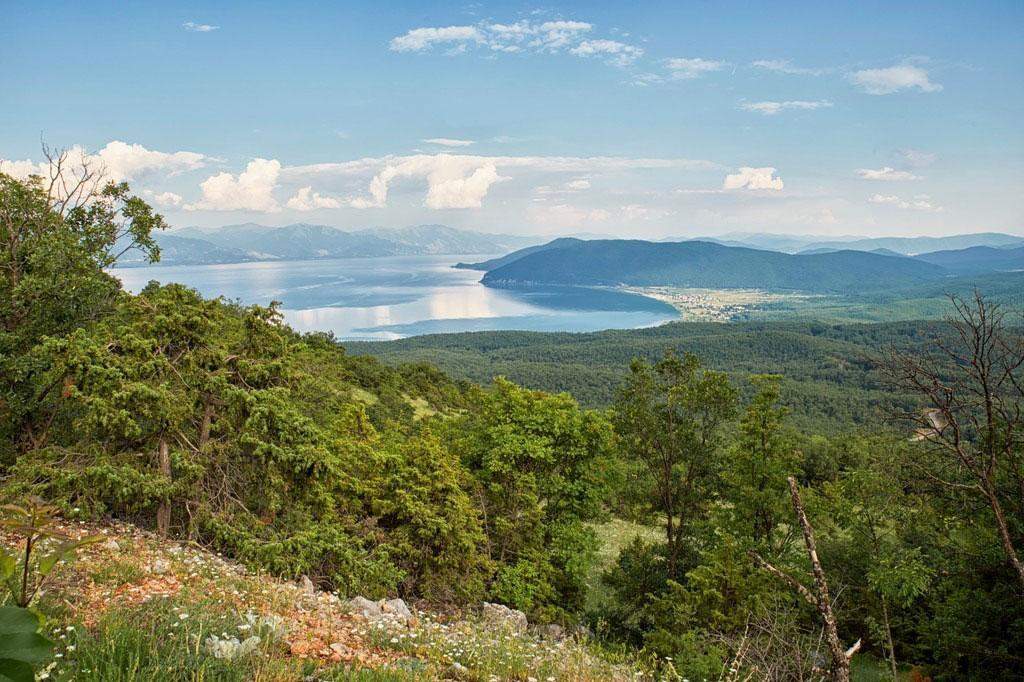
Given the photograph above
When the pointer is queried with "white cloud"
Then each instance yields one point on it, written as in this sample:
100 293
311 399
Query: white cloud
886 173
619 54
772 108
786 67
118 160
893 79
753 178
577 185
123 161
921 202
165 199
251 190
452 181
198 28
21 169
463 181
419 39
687 69
548 37
449 142
307 200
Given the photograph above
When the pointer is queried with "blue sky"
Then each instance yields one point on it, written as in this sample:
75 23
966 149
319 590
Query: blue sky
674 118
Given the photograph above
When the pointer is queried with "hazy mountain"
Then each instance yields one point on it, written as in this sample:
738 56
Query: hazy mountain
441 239
705 264
976 259
516 255
301 241
176 250
909 246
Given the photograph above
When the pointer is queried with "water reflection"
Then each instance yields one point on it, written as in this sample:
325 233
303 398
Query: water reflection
384 298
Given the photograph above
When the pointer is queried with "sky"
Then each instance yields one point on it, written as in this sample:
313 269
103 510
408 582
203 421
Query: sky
650 119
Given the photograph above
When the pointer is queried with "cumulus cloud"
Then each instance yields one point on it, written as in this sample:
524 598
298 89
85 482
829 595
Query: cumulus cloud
307 200
123 161
614 52
921 202
893 79
117 160
419 39
449 142
165 199
463 181
886 173
250 190
198 28
687 69
21 169
753 178
452 181
786 67
772 108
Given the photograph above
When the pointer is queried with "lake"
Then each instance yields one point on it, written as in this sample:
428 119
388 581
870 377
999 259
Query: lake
390 298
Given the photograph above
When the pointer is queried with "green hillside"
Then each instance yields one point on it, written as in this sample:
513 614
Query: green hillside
705 264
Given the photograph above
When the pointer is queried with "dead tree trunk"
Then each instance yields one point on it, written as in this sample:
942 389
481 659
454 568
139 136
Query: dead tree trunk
840 671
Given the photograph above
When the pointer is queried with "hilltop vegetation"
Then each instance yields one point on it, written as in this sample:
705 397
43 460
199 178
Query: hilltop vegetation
832 380
707 265
215 424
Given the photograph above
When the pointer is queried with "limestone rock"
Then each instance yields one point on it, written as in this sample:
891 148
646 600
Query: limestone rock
362 606
501 615
396 608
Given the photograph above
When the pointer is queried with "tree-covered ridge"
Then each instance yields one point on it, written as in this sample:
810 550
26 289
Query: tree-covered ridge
770 526
709 265
831 378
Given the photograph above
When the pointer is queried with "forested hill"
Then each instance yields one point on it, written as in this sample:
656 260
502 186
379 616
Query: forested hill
831 377
706 264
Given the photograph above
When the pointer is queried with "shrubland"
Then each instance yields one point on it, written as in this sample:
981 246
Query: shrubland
210 423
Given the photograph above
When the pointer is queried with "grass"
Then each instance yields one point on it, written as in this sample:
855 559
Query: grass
139 609
613 536
475 650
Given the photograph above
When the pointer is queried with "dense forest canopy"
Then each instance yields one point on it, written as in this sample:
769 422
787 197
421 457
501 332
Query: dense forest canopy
215 422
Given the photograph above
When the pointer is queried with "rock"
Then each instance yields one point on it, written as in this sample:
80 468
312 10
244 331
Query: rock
396 609
499 614
457 671
307 585
551 631
111 544
362 606
160 566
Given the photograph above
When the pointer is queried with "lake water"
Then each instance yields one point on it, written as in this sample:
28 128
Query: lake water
389 298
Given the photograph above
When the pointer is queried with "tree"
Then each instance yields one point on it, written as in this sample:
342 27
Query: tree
668 418
973 426
758 465
537 462
820 601
58 234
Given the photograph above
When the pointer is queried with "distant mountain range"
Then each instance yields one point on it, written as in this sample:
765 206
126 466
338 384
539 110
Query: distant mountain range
703 264
253 242
977 259
907 246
